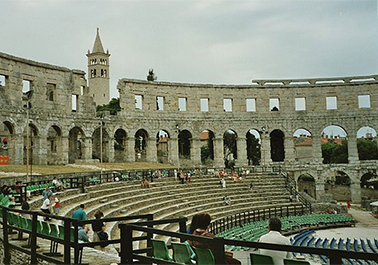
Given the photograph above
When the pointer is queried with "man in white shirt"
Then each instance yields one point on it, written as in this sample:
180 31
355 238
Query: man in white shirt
274 236
46 205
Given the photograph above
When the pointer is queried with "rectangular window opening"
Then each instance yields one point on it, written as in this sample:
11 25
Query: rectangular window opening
182 104
204 104
82 88
331 103
160 103
274 104
227 104
74 102
300 104
26 86
138 101
250 104
364 101
2 80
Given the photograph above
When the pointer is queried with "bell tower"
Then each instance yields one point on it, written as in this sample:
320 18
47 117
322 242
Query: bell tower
98 72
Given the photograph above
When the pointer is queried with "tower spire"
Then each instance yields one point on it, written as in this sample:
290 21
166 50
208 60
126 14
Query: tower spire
97 47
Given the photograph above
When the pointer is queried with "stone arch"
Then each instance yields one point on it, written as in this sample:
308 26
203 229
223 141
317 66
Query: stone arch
7 141
207 146
54 145
184 144
253 142
120 145
306 183
334 145
303 145
230 151
338 184
368 180
140 147
162 146
367 143
277 146
76 143
100 144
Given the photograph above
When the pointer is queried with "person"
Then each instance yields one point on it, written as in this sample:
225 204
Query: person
57 184
223 183
46 192
348 205
80 214
251 186
82 234
200 224
275 237
57 204
46 205
97 228
25 206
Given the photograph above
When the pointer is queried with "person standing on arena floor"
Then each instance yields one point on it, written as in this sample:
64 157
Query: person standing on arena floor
79 214
275 237
57 204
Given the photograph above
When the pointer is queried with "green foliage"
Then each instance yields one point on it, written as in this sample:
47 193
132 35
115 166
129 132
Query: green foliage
334 153
253 150
113 106
205 154
367 149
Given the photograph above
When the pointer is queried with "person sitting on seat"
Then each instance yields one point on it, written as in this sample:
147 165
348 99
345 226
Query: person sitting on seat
275 237
82 234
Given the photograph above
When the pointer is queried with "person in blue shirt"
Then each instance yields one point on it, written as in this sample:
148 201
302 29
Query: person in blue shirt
79 214
82 234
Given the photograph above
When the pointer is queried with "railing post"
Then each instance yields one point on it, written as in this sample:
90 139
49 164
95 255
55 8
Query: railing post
150 217
83 182
335 259
7 256
219 253
76 241
67 241
33 242
126 251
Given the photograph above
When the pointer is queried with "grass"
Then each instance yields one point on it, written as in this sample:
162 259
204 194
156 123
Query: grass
71 168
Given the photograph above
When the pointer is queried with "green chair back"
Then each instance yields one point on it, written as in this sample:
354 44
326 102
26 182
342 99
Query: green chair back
204 256
39 227
45 228
181 253
54 230
160 250
260 259
295 262
61 231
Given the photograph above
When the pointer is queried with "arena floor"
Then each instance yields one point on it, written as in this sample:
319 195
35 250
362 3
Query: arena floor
366 227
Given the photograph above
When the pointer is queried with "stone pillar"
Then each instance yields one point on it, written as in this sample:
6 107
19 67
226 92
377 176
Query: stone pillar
151 150
355 190
195 155
317 149
173 151
111 150
266 158
319 189
63 150
289 150
18 149
218 152
40 154
129 149
352 149
242 160
87 149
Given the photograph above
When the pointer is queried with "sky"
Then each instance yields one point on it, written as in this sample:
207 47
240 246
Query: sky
209 41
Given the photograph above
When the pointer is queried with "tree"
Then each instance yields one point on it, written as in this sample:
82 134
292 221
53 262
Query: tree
367 149
327 149
334 153
151 75
113 106
205 154
253 150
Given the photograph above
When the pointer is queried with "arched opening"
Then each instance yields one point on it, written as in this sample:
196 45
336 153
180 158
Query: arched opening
302 145
33 145
334 145
7 144
369 181
140 147
306 184
76 144
367 143
120 145
54 145
277 147
207 147
162 142
100 145
184 142
338 185
230 148
253 147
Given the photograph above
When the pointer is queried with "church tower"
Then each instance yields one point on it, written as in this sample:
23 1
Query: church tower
98 72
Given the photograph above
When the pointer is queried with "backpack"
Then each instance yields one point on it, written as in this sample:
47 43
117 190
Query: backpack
103 236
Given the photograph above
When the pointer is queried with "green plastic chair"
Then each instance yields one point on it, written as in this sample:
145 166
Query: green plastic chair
260 259
181 253
54 230
45 228
204 256
295 262
160 250
61 231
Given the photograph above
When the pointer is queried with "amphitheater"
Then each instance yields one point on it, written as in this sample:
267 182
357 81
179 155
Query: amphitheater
49 117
